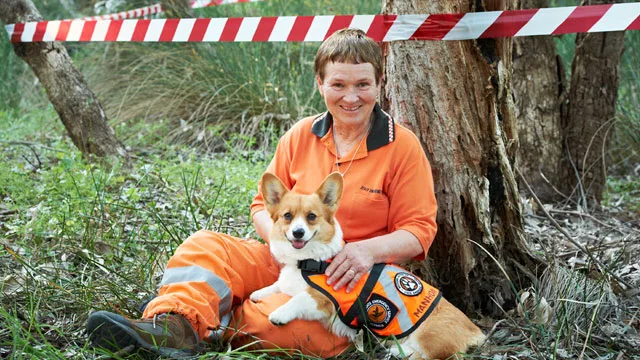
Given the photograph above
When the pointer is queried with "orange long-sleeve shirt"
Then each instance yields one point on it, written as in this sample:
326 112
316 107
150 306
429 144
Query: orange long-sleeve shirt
388 186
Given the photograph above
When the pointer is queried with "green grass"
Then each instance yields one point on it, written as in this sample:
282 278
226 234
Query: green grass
78 236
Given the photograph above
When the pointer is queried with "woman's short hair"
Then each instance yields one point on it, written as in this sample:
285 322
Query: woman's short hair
351 46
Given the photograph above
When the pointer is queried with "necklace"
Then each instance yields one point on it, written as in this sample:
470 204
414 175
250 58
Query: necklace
354 154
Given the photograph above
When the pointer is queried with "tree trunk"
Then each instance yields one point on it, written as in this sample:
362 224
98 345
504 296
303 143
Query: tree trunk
66 88
538 85
456 97
589 120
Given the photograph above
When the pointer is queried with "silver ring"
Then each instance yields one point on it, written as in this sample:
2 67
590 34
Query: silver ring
353 273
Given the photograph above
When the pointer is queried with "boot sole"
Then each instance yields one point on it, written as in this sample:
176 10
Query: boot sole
113 332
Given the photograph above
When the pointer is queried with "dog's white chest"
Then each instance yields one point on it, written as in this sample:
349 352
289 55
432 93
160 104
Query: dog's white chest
290 281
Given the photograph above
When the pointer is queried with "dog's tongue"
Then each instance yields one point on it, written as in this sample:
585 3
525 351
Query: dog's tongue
298 244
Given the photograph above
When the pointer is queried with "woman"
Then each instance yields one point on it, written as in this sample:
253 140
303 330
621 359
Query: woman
387 214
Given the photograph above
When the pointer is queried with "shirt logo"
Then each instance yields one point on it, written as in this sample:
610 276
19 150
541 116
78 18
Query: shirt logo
370 190
380 312
408 284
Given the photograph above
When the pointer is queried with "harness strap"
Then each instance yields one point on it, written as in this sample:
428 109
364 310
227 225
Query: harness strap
357 309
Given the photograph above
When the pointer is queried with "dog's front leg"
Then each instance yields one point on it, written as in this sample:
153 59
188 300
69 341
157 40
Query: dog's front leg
301 306
264 292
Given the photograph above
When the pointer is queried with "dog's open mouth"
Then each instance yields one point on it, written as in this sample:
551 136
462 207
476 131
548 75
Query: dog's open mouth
298 244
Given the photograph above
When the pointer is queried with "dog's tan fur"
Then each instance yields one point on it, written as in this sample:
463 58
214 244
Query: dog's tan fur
445 332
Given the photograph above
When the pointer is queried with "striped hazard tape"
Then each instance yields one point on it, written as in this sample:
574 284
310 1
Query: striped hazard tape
157 9
135 13
491 24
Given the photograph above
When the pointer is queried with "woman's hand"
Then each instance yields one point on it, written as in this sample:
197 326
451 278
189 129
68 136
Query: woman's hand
352 262
356 259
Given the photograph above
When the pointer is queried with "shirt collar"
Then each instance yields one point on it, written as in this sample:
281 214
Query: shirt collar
382 131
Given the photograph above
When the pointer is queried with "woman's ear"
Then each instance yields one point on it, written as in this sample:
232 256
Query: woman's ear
319 82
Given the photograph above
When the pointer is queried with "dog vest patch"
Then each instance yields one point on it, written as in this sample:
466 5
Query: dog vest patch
390 301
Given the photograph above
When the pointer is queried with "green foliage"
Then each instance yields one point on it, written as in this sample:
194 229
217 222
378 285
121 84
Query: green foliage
623 192
217 96
18 87
79 236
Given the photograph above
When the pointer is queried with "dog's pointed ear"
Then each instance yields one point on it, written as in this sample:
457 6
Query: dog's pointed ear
273 190
330 191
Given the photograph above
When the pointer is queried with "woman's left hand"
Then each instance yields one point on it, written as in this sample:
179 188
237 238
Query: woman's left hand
352 262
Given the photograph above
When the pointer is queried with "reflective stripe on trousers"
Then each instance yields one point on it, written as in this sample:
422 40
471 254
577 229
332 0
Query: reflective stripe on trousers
197 273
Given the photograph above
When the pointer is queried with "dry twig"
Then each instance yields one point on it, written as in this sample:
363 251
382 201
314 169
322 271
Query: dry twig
571 239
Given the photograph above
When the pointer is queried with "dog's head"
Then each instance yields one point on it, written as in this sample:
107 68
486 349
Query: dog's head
304 226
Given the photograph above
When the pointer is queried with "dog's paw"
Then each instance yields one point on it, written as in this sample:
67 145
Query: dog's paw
279 317
264 292
256 295
260 294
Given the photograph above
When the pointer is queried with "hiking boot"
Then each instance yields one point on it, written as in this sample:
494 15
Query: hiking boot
168 335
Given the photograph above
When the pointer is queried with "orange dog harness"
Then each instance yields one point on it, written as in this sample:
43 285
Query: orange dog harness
389 301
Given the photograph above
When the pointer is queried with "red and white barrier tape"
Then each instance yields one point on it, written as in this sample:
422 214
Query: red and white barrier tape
157 9
491 24
206 3
135 13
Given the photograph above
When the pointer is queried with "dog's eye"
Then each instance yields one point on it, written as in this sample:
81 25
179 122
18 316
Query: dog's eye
311 217
288 216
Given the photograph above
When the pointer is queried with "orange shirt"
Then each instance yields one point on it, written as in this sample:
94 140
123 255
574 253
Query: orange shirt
388 187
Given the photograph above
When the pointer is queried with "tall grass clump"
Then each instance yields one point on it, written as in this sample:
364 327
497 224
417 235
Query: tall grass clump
217 96
581 305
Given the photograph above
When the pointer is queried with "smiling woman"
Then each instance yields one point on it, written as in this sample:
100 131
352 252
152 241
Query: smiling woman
387 214
350 92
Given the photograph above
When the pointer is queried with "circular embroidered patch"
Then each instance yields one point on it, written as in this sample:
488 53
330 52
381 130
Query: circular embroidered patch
379 312
408 284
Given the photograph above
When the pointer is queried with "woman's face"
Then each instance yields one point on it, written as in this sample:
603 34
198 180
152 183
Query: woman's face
349 91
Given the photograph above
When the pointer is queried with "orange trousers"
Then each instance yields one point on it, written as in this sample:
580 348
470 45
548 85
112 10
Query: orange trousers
211 276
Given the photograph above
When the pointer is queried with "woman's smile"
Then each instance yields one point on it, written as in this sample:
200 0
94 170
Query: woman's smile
350 92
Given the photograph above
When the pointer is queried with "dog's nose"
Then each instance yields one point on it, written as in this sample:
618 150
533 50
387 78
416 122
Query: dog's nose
298 233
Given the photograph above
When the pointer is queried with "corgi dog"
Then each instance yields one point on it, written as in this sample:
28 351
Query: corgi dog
305 235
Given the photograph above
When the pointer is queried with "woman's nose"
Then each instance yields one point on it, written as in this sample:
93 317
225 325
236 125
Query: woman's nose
351 95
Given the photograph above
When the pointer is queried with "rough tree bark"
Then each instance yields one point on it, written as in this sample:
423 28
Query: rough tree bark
456 96
538 86
589 118
566 139
75 103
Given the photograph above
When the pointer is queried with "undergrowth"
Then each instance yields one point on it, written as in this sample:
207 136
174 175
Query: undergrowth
79 236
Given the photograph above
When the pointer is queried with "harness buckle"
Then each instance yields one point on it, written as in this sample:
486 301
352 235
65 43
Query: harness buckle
313 266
